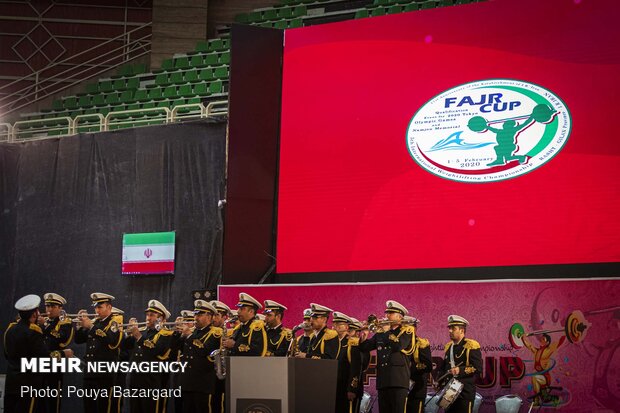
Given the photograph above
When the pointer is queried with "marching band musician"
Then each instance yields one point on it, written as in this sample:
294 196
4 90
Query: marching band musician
57 335
421 365
24 339
186 319
103 338
249 338
324 343
303 341
278 337
233 321
355 326
199 380
153 343
120 380
219 320
463 360
349 365
394 347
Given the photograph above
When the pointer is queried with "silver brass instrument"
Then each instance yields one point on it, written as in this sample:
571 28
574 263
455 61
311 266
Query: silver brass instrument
141 323
75 317
375 324
79 315
219 356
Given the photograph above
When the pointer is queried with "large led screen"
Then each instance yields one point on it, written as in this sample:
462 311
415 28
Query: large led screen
466 136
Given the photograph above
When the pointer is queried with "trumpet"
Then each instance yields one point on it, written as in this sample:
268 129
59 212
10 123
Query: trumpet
80 317
64 315
142 323
172 323
374 324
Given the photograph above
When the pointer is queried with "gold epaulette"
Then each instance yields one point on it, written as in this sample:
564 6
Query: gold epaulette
423 342
165 332
330 334
354 341
287 334
230 332
471 344
217 331
409 329
257 325
36 328
65 321
118 318
447 346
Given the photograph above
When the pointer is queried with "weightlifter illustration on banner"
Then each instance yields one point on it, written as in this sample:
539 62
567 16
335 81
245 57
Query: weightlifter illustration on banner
507 147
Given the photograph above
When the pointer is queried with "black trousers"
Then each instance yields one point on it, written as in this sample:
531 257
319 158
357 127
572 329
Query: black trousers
52 404
219 398
344 405
392 400
194 401
415 405
14 403
461 406
147 405
100 404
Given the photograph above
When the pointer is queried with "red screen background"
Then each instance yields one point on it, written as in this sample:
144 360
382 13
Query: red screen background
352 198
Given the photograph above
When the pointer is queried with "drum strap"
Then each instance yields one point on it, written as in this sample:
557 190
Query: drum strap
452 364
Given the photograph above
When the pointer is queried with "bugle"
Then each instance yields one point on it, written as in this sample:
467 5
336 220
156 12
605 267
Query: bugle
374 324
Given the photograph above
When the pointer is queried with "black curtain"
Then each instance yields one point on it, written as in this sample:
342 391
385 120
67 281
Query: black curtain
65 204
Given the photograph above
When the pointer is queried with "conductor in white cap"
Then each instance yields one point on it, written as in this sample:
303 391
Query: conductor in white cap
24 339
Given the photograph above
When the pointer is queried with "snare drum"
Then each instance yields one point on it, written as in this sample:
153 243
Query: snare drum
449 393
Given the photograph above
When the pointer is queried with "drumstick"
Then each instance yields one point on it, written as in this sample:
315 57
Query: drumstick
448 373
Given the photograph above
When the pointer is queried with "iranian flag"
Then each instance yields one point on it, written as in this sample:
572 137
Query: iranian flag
150 253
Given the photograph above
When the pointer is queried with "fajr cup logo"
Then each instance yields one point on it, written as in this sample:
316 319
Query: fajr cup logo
488 130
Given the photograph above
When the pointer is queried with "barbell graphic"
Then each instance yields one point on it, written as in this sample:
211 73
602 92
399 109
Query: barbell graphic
541 113
575 329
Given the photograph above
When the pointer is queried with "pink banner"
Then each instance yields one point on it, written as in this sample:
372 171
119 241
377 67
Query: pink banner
582 376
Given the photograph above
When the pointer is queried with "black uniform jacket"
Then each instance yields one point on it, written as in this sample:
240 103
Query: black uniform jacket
394 349
24 340
57 335
421 365
250 339
102 340
303 342
349 365
324 345
278 341
199 375
467 354
153 345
